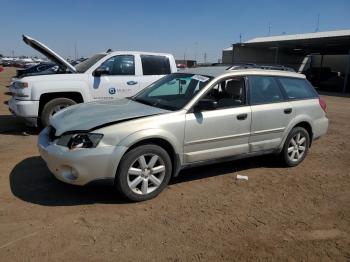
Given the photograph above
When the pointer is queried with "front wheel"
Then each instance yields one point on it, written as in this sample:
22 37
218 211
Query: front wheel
296 146
54 106
143 172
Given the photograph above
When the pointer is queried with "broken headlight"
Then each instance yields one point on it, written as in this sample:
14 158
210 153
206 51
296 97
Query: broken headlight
82 140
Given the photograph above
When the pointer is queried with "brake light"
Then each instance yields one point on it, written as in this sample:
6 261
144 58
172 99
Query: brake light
323 104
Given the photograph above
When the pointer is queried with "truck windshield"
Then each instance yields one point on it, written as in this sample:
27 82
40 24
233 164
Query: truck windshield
173 91
85 65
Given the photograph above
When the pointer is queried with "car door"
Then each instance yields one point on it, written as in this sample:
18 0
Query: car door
220 132
120 79
271 113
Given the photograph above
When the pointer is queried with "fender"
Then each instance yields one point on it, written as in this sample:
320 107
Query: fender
298 119
151 133
43 87
145 134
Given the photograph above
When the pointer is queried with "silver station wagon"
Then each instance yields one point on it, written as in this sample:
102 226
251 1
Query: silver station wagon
187 118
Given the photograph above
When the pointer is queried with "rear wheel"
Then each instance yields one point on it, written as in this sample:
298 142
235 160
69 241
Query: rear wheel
54 106
143 172
296 146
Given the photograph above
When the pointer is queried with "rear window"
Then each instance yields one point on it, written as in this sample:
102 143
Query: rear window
296 88
155 65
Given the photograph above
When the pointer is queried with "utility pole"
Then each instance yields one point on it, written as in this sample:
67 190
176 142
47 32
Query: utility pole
13 53
318 23
269 29
240 38
195 50
205 58
75 51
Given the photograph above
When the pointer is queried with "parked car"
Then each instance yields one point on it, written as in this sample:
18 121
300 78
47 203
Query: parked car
184 119
36 69
103 76
78 61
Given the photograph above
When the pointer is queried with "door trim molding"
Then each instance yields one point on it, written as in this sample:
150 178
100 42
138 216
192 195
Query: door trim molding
221 138
267 131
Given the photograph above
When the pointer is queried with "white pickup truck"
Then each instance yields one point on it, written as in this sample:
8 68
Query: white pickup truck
103 76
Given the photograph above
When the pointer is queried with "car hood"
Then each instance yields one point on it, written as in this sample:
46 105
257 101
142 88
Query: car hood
94 115
50 54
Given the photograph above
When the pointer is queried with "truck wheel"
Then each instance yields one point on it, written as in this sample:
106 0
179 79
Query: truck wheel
296 146
143 172
52 107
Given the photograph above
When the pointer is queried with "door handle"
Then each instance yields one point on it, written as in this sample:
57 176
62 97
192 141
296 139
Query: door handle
242 116
288 110
131 83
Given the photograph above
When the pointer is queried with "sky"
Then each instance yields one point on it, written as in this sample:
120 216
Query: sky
190 29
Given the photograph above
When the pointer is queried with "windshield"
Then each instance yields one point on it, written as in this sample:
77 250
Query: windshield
173 91
85 65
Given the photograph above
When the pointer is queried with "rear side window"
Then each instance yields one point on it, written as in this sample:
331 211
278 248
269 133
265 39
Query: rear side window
296 88
264 90
155 65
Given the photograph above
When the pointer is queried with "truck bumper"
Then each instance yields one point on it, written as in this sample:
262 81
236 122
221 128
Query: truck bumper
27 110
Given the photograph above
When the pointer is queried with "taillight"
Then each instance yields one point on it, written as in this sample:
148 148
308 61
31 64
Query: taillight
323 104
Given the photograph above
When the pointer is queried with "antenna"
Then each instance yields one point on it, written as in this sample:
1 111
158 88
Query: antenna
75 51
318 23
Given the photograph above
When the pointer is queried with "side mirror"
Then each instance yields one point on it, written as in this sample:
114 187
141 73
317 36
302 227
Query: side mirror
102 70
206 104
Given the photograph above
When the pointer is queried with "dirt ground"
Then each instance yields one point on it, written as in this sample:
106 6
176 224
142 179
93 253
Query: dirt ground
295 214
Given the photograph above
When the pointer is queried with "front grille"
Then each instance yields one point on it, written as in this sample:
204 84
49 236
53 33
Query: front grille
52 133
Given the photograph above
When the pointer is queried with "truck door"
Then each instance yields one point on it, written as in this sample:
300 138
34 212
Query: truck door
119 79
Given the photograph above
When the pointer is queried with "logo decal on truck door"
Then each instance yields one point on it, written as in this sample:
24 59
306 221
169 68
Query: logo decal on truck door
111 90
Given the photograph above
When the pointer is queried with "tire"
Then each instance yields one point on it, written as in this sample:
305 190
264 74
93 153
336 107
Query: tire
135 179
53 107
294 153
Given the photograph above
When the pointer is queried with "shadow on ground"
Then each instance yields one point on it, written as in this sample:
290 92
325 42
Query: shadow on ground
31 181
12 125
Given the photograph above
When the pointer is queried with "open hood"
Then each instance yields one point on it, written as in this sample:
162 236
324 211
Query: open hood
43 49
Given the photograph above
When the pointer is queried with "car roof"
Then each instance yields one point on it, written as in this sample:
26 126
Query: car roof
216 71
134 53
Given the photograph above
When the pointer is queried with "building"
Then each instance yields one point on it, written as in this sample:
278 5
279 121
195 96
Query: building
323 56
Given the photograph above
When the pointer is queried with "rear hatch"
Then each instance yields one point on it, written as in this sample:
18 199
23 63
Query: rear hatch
50 54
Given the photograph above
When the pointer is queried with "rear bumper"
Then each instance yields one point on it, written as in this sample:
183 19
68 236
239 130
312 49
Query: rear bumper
320 127
28 110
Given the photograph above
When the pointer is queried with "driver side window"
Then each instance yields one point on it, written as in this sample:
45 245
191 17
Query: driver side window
120 65
230 92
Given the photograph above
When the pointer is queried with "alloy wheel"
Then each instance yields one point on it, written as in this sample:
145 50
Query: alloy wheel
297 147
57 109
146 174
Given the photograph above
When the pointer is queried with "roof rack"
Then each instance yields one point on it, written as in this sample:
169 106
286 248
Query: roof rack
255 66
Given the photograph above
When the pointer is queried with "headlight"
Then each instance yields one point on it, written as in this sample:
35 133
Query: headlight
83 140
21 84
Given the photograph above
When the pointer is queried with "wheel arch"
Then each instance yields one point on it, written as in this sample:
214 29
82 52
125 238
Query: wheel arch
307 126
162 142
300 122
47 97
